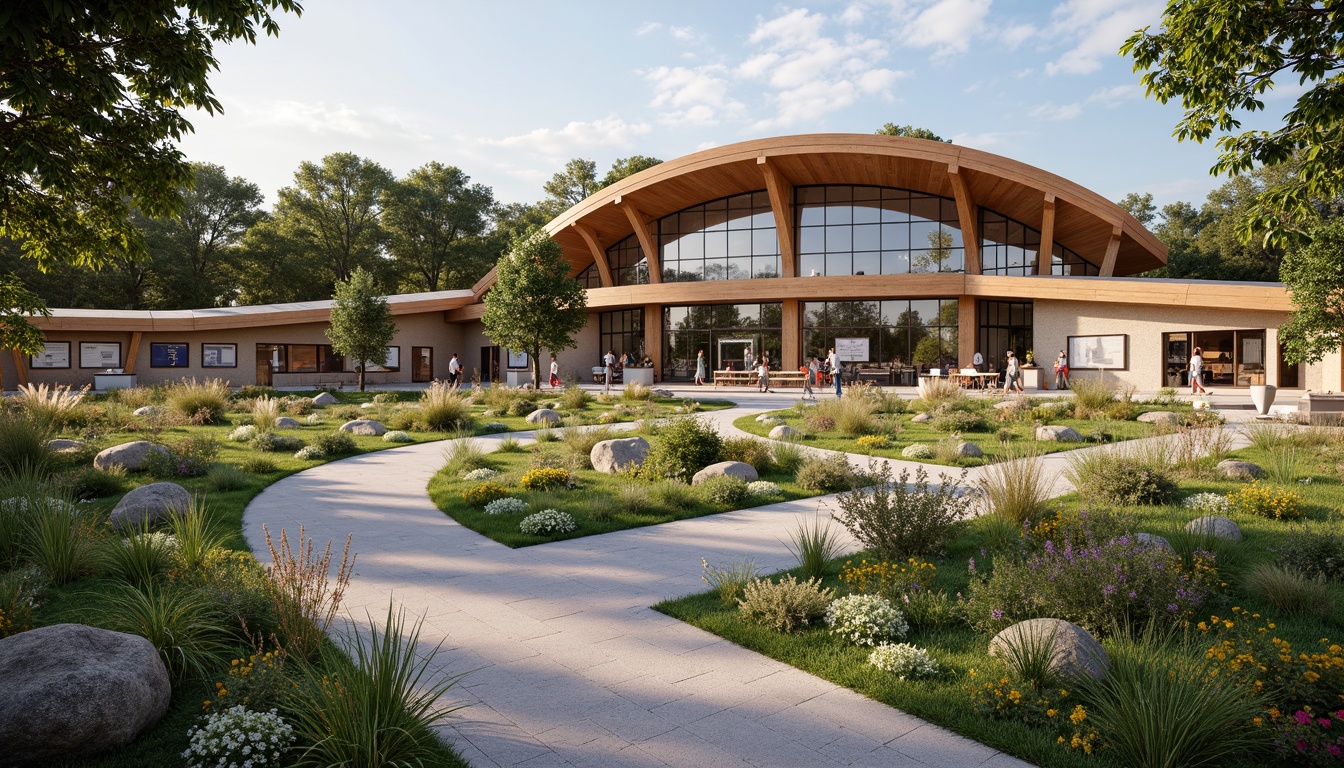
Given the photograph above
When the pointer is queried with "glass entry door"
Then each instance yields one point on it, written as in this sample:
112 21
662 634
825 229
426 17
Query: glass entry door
732 352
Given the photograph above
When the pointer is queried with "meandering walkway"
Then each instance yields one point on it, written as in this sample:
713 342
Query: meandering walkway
568 664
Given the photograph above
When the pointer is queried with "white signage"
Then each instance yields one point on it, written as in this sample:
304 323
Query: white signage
853 350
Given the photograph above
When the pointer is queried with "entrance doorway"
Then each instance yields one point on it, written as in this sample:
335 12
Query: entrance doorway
270 359
422 364
490 364
733 352
1231 358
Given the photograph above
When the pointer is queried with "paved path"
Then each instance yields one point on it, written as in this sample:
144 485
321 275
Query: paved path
568 664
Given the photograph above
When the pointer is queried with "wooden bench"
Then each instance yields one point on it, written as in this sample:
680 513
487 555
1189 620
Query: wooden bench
749 378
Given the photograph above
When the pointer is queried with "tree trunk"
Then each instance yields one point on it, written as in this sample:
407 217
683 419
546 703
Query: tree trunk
536 368
361 375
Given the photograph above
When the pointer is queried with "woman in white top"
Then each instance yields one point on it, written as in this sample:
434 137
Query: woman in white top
700 367
555 373
1012 374
1197 373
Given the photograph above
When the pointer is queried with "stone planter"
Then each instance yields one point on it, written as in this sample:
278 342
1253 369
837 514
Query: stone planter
1033 377
1262 395
639 376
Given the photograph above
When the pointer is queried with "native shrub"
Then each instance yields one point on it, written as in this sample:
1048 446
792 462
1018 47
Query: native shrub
828 473
865 619
905 661
786 605
683 447
899 520
548 522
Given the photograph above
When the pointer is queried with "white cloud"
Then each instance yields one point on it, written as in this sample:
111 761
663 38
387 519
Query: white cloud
1049 111
852 15
947 26
1099 27
1110 97
685 34
808 74
321 118
576 137
1015 35
697 96
647 27
987 140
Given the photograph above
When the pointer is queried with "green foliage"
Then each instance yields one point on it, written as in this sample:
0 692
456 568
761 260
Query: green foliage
443 408
140 559
335 443
436 222
1290 591
227 477
483 493
1118 478
204 401
910 131
853 414
683 447
1091 395
462 456
1314 550
190 638
950 418
258 465
1029 656
815 544
786 605
1017 488
575 398
234 587
787 456
521 407
534 303
728 582
361 324
196 536
623 167
58 538
725 491
189 457
747 450
673 494
898 519
1314 274
829 472
23 445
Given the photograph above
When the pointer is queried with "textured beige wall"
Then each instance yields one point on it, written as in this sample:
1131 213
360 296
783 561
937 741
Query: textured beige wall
576 363
1055 321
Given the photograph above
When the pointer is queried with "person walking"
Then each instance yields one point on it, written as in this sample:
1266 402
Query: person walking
700 368
1012 374
747 359
1062 371
834 361
1197 373
608 369
555 373
454 370
763 374
808 374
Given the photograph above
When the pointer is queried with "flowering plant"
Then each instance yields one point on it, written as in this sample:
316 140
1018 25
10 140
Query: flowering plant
764 488
1208 503
865 619
1310 738
238 738
483 493
1267 501
397 436
243 434
918 451
870 442
1005 700
544 478
903 660
505 506
547 522
480 475
310 453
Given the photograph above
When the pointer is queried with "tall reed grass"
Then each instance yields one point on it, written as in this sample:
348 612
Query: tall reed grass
189 637
50 405
1018 487
444 408
203 402
23 446
815 543
306 596
265 412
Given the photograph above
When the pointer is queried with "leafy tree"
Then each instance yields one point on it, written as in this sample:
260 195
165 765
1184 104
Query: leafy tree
361 323
435 220
1219 59
333 210
910 131
628 166
1314 273
570 187
1141 207
534 303
272 268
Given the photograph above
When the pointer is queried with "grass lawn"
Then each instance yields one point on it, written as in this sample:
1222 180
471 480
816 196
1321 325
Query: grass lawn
947 699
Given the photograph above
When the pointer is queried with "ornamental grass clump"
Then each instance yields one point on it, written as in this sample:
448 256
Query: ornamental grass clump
905 661
1117 477
865 619
815 543
1264 500
787 456
934 392
728 581
52 405
1290 591
239 737
189 636
854 414
747 450
205 401
786 605
58 538
265 412
463 456
140 559
548 522
305 595
899 519
443 408
1091 395
575 398
23 446
1017 488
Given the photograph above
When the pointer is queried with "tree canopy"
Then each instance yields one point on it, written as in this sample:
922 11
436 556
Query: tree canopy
91 102
361 323
534 304
910 131
436 220
1219 59
628 166
1314 274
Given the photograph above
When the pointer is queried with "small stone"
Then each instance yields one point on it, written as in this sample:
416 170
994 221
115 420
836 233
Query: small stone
1075 651
286 422
150 504
367 427
1058 434
61 445
129 455
663 393
1160 418
1004 405
785 432
970 450
1240 470
70 690
616 456
150 410
726 469
1153 540
764 417
368 405
1216 526
325 398
543 416
920 418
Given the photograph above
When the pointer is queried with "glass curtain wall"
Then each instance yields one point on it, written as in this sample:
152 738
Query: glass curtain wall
1006 325
590 277
732 238
920 332
620 332
1009 247
722 331
1231 358
627 262
852 230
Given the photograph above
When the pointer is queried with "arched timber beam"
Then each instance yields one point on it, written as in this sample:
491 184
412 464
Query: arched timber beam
970 222
599 256
780 190
641 227
1047 250
1112 251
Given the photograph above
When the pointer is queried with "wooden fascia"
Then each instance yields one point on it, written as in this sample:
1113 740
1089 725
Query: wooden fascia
970 223
1047 249
599 256
20 366
1112 251
641 227
780 190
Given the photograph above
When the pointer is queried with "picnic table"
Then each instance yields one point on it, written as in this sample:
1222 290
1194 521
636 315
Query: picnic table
749 379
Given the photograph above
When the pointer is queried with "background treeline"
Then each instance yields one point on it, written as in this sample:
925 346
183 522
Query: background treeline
431 230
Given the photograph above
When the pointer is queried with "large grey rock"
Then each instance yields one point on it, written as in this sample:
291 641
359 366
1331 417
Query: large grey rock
129 455
920 418
151 503
1075 651
150 410
364 427
726 469
61 445
287 422
785 432
70 690
1004 405
543 416
1160 418
1216 526
1240 470
970 450
1059 434
326 398
615 456
1153 540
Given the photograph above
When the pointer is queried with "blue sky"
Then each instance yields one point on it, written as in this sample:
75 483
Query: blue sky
508 91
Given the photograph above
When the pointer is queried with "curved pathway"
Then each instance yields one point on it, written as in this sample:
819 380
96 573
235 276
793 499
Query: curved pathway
568 665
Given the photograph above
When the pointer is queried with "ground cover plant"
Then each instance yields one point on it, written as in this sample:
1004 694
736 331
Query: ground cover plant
1222 653
191 586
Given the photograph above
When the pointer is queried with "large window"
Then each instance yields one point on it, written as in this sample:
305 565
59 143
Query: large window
1009 247
1006 325
621 332
722 331
590 277
301 358
1231 358
920 332
627 263
732 238
847 230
